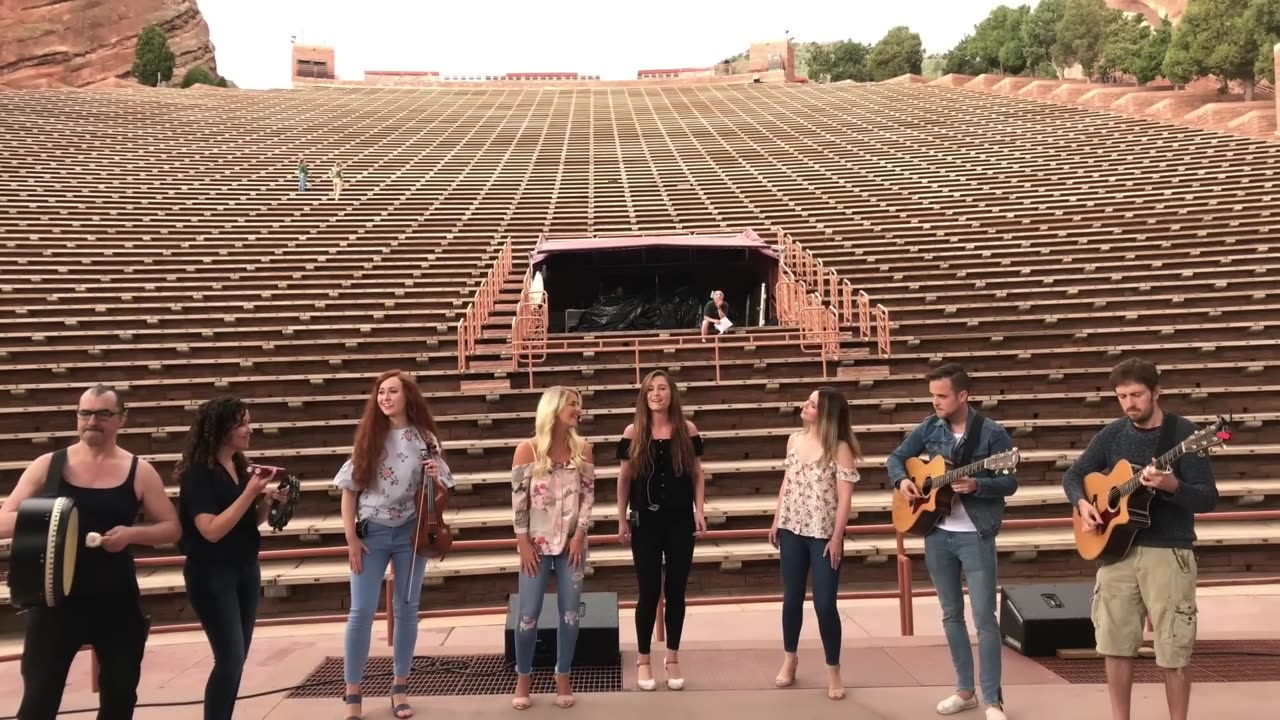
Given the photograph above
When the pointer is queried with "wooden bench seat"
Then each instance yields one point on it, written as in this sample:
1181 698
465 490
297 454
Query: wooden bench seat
168 580
718 509
1017 427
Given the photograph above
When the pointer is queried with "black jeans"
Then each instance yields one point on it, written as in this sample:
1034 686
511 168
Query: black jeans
117 631
656 536
225 598
799 555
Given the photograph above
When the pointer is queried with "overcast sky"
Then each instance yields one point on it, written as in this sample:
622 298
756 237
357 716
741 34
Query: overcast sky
252 37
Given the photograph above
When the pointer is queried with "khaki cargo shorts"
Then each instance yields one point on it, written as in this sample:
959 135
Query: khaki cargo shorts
1160 582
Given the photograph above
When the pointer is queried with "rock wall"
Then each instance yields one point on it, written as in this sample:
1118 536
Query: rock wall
1152 10
77 43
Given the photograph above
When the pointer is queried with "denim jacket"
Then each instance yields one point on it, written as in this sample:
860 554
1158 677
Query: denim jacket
985 506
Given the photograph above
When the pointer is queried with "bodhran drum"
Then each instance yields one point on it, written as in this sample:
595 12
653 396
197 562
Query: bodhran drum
42 559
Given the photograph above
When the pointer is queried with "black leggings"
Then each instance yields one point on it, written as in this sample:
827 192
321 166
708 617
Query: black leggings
116 630
800 556
225 598
655 536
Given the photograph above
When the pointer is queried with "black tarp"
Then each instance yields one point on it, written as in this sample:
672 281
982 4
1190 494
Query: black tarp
681 309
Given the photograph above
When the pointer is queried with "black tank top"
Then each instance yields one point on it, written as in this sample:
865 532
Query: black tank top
99 574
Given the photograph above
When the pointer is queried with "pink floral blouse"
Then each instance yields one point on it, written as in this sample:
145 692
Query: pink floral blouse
809 496
550 509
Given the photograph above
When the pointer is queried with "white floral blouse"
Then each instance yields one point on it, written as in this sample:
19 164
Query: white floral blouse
390 499
809 496
551 508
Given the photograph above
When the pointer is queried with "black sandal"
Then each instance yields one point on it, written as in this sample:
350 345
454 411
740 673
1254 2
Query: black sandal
397 709
356 699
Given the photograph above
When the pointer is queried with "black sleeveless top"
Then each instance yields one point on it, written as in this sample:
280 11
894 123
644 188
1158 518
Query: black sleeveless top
99 574
662 491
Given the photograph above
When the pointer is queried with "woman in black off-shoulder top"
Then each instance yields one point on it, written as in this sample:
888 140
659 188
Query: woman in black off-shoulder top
660 498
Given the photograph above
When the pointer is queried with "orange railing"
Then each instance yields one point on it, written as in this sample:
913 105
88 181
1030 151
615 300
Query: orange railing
529 327
904 593
530 346
471 326
806 282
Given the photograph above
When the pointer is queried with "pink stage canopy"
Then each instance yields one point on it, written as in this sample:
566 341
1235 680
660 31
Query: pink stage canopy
549 245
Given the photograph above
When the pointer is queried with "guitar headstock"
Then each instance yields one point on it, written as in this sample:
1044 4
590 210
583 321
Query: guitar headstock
1004 462
1209 436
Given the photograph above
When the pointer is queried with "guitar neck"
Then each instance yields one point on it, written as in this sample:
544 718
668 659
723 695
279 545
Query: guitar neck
954 475
1165 460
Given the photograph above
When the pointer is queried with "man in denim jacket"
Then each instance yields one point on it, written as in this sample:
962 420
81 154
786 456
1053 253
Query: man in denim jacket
965 540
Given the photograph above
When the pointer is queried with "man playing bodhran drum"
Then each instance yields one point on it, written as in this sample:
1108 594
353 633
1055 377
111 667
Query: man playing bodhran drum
103 609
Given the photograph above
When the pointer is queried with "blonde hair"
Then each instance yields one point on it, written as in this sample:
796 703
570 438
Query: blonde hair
549 406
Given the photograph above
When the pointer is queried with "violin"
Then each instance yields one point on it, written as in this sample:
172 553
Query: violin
432 535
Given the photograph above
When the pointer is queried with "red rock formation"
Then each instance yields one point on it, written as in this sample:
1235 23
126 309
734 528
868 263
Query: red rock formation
76 43
1152 10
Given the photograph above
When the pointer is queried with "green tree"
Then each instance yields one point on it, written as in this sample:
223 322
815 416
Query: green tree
1040 34
152 58
899 52
198 75
999 42
844 60
961 59
1224 38
1150 61
1127 37
1263 16
1082 34
222 82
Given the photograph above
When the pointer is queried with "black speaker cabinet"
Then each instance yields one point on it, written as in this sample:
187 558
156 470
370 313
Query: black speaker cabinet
597 631
1039 620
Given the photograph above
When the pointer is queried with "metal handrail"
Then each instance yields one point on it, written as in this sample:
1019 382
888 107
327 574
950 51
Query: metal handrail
471 325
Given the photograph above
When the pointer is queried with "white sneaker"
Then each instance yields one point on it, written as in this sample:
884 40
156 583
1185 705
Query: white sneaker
955 704
995 712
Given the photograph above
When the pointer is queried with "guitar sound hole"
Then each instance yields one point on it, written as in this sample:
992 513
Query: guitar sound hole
927 487
1113 501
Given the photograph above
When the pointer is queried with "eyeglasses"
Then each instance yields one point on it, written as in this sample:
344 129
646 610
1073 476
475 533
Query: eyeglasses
101 415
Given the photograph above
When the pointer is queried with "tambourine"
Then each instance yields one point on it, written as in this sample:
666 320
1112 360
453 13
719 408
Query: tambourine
281 511
42 561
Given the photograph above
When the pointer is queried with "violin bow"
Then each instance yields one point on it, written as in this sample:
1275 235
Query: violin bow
424 454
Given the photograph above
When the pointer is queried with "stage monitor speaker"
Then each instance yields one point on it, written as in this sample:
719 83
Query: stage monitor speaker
1039 620
597 631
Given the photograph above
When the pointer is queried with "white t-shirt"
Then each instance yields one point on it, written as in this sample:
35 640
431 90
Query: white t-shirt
958 520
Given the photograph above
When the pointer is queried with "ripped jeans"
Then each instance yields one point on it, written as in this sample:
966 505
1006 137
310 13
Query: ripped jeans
568 596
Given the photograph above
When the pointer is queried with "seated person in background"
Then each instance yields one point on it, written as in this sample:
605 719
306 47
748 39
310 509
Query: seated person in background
716 314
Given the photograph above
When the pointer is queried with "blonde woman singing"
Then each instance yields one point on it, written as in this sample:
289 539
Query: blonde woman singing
553 478
808 527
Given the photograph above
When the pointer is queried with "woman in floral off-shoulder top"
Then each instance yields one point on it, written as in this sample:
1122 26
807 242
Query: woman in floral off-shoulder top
394 452
808 527
553 480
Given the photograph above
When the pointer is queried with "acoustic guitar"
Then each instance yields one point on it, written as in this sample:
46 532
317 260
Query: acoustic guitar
1124 503
919 516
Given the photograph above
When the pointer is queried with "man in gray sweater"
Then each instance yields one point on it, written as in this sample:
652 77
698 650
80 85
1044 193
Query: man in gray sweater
1161 565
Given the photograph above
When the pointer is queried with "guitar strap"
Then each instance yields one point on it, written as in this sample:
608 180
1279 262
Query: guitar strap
964 453
1167 439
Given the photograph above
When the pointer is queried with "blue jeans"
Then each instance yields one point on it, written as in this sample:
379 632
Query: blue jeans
394 544
946 554
800 554
529 603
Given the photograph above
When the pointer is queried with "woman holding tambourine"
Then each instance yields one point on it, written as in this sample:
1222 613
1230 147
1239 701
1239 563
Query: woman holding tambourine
223 500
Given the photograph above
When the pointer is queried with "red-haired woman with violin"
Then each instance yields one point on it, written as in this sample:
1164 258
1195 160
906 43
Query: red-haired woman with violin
394 453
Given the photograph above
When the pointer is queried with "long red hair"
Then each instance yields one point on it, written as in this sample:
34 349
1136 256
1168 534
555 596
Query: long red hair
369 446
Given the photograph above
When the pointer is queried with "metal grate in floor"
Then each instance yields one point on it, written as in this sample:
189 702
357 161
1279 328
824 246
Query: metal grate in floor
451 675
1213 661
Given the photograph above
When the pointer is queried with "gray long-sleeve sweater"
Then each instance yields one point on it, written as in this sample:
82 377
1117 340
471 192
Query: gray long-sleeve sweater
1172 514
